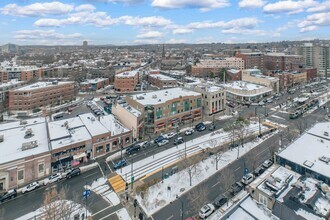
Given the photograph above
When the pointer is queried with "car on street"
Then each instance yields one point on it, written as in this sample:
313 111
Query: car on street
247 179
53 178
267 163
170 135
258 171
235 188
8 195
190 131
200 127
146 144
159 138
206 211
261 103
73 172
212 127
178 140
163 142
133 149
119 164
220 201
30 187
192 218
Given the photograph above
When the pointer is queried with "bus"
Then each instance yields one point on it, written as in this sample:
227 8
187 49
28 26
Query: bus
58 116
300 110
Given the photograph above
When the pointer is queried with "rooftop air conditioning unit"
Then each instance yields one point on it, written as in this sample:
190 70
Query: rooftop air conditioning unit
28 133
23 122
1 138
29 145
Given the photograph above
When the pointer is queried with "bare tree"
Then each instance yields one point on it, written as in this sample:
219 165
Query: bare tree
190 165
56 207
300 124
226 178
196 197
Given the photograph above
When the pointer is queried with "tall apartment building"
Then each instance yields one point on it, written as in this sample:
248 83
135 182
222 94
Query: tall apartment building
317 56
164 109
283 62
126 81
205 67
40 94
252 59
4 91
24 73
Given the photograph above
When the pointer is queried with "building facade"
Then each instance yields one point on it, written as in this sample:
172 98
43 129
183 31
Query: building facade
92 85
162 81
252 60
4 91
39 95
126 81
255 76
166 109
283 62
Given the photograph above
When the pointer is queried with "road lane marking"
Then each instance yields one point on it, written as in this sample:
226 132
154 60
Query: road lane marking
101 169
169 217
90 175
195 199
109 166
237 169
108 215
101 210
215 184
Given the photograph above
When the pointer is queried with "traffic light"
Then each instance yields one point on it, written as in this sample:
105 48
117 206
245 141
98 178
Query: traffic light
141 216
135 203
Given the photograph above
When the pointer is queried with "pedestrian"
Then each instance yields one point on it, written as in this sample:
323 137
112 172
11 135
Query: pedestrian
105 168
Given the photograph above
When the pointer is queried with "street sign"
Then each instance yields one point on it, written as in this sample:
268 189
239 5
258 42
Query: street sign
87 193
132 179
246 171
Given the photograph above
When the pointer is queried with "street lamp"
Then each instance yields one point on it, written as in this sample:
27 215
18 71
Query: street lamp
255 112
121 152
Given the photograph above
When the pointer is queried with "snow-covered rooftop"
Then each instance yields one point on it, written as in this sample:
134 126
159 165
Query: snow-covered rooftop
128 74
130 109
244 86
10 83
162 96
39 85
94 81
161 77
310 148
14 136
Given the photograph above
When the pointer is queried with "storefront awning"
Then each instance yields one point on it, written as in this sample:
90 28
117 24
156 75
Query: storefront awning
76 157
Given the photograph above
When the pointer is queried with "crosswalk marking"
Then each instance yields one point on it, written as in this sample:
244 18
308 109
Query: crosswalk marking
117 182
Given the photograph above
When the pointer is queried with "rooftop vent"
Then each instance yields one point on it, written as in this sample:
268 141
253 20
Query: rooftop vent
154 96
326 134
324 159
29 145
28 133
92 119
159 100
2 138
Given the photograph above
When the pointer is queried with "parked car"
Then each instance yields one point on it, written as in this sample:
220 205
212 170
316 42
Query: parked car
267 163
30 187
178 140
8 195
190 131
212 127
206 211
146 144
192 218
235 188
247 179
53 178
220 201
261 103
200 127
170 135
163 142
120 164
73 172
258 171
133 149
159 138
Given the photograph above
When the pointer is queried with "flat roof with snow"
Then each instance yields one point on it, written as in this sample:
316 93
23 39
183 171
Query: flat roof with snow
162 96
94 81
10 83
39 85
162 77
128 74
17 144
308 150
244 86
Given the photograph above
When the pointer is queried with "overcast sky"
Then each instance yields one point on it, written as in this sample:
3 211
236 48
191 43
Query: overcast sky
123 22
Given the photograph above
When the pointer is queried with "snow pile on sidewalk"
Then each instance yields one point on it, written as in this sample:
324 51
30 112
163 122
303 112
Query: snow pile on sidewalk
101 187
88 167
114 156
66 210
159 195
225 117
123 214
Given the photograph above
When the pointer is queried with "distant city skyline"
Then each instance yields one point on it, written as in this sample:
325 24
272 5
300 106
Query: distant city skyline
130 22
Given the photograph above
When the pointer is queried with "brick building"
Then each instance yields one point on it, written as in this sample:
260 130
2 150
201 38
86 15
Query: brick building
281 61
252 60
126 81
94 84
162 81
40 94
4 91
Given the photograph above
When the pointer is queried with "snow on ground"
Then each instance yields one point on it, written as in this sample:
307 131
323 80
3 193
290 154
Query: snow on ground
307 215
275 123
323 206
259 211
123 214
114 156
39 214
158 195
101 187
88 167
225 117
310 188
275 116
207 122
176 153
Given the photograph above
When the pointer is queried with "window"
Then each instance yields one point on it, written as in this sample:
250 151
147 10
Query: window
41 168
1 186
20 175
99 149
263 199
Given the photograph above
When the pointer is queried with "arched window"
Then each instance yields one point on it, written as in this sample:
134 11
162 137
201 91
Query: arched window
127 140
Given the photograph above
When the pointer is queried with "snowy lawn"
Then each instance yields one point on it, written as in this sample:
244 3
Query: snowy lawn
158 195
123 214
